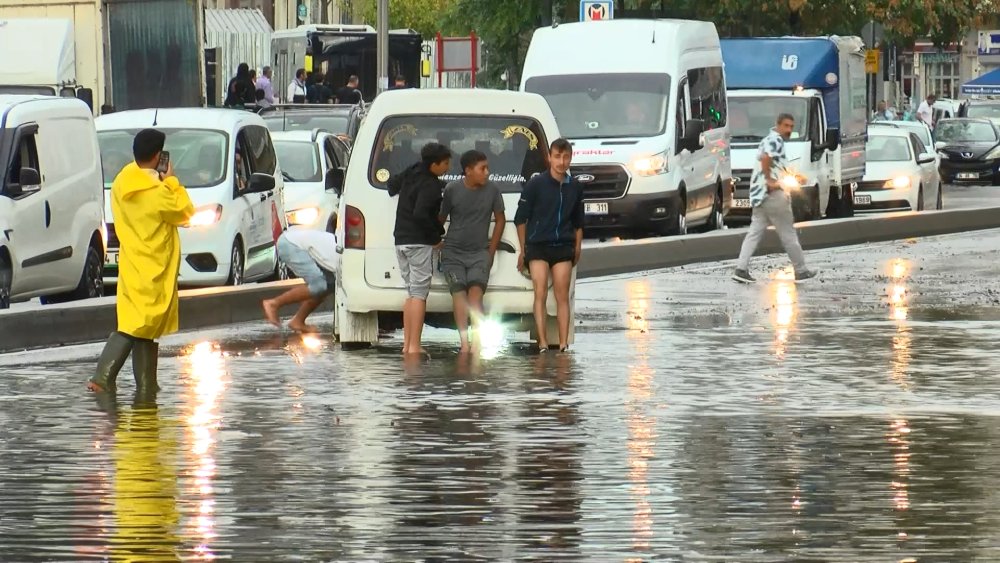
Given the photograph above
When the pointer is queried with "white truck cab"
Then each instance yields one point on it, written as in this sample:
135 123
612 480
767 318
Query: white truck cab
818 81
52 235
644 104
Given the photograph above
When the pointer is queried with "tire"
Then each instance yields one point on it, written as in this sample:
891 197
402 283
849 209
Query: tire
6 281
91 284
237 264
940 197
808 207
678 226
842 205
717 219
920 198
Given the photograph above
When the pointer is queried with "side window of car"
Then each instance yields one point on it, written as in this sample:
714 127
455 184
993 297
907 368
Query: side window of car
707 88
815 127
343 153
241 167
331 156
25 156
918 147
261 152
680 115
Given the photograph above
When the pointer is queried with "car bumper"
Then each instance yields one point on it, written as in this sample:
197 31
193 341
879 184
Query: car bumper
630 213
869 198
741 211
957 172
199 245
188 276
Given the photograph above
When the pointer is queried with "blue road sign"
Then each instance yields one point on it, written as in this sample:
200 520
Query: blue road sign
596 10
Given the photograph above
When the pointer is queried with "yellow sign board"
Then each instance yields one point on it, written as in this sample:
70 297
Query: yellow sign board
872 58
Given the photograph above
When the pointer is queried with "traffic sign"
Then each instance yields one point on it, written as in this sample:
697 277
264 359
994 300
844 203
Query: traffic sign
596 10
872 58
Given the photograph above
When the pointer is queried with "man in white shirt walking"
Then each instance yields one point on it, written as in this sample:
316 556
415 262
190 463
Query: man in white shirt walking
264 83
297 89
925 112
313 256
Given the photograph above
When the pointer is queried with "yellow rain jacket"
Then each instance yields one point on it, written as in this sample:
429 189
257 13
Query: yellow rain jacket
147 212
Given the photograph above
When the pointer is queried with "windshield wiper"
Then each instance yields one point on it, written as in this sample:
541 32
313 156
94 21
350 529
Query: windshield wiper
286 176
747 137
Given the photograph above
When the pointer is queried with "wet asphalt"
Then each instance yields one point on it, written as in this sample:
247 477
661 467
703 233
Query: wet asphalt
849 419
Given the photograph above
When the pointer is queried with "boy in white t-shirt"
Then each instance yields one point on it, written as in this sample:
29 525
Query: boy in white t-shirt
313 256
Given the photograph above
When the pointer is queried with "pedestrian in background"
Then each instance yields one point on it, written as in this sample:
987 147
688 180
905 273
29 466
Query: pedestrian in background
264 83
312 256
772 205
418 234
400 83
318 91
925 112
241 90
149 204
297 89
883 113
549 223
469 247
349 93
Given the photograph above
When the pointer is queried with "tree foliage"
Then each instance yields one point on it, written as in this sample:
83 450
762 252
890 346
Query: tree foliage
423 16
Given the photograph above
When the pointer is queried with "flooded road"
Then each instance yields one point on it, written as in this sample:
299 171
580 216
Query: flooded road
695 420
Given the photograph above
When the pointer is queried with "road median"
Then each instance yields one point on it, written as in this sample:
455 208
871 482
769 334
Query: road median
84 322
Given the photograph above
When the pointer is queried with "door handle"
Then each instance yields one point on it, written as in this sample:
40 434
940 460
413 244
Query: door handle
48 214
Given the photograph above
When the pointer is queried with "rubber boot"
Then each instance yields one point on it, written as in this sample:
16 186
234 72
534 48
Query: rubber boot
145 355
116 351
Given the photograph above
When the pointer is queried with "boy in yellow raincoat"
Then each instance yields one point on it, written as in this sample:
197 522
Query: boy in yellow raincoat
148 207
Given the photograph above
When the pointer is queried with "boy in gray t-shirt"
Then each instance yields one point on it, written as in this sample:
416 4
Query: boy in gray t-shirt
469 247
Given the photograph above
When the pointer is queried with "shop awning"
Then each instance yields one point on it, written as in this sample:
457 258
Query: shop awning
986 85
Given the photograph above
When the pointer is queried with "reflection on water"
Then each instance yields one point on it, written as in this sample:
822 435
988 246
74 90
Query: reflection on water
658 438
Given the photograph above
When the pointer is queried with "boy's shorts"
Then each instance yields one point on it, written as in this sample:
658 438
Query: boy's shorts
319 281
550 254
465 269
416 265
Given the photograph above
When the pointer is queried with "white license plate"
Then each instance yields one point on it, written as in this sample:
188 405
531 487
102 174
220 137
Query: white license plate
600 208
111 259
862 200
968 175
741 203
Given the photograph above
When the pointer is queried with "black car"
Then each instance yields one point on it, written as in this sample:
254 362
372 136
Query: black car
339 119
970 151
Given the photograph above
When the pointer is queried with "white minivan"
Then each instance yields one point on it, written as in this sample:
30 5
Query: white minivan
644 103
226 160
51 209
513 129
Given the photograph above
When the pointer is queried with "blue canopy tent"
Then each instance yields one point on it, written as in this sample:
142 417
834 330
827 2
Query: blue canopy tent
986 85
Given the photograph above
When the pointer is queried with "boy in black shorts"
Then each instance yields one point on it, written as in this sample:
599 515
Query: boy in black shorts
469 247
549 223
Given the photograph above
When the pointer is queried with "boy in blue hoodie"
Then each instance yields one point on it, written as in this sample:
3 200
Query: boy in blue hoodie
549 223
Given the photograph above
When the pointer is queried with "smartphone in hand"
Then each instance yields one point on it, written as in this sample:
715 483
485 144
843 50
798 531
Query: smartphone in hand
164 163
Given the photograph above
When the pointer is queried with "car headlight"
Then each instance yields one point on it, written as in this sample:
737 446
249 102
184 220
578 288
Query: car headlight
993 154
205 216
790 182
650 165
897 183
304 216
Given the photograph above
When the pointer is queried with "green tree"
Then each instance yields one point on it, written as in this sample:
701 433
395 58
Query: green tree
427 17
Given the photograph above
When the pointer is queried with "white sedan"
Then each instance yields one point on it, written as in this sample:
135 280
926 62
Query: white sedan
900 175
312 163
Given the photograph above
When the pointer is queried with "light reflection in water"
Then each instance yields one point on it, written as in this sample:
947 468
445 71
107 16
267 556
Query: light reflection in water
899 271
641 439
784 310
205 366
899 444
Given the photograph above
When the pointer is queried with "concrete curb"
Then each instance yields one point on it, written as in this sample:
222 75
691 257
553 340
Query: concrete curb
92 321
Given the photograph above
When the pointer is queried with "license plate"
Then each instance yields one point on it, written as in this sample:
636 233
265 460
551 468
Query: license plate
600 208
862 200
111 259
741 203
968 175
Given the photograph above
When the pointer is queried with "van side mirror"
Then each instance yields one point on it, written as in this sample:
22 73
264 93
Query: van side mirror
832 138
30 182
926 158
334 180
260 183
940 145
693 128
86 95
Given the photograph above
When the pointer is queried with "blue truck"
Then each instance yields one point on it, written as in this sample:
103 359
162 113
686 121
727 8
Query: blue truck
821 82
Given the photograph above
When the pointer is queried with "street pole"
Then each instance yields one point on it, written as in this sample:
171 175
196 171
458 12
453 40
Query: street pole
382 46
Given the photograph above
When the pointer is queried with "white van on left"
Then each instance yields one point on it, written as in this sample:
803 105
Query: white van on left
52 234
226 160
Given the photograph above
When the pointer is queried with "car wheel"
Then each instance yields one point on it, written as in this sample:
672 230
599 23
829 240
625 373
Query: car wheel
236 264
91 285
678 226
940 197
717 220
6 281
920 198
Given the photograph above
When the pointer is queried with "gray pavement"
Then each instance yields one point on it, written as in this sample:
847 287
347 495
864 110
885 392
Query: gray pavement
849 419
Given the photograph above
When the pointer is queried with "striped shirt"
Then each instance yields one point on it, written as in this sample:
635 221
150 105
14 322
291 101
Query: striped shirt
774 146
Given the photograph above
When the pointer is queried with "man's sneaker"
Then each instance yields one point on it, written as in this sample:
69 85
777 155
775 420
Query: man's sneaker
806 275
743 276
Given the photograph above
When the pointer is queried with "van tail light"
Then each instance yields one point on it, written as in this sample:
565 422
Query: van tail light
354 228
